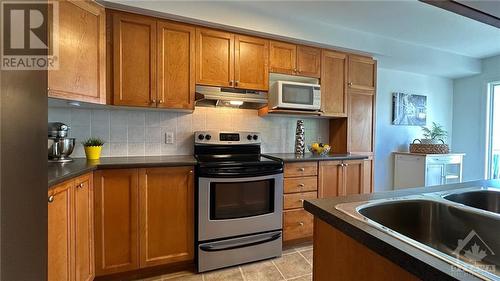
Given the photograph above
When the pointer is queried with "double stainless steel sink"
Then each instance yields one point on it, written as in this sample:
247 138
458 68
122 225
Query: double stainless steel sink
461 227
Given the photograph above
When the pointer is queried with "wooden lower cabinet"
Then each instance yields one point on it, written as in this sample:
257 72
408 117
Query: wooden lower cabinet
340 178
143 217
60 232
297 224
70 230
166 215
116 220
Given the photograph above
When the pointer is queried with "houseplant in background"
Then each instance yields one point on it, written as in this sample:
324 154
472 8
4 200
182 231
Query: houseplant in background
433 141
434 135
93 147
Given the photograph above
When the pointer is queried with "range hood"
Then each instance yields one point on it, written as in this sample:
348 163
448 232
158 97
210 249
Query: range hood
229 97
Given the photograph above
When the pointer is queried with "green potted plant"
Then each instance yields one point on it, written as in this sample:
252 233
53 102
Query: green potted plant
434 135
93 148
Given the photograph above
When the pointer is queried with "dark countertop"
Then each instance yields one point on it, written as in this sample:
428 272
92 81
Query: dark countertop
291 157
416 261
58 173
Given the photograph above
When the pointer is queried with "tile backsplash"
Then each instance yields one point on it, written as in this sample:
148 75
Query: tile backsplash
144 132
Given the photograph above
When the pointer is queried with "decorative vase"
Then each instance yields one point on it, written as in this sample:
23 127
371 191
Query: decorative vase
93 152
300 146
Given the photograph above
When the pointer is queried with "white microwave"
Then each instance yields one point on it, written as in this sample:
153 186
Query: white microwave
294 95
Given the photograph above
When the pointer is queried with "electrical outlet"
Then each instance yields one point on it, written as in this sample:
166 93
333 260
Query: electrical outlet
169 137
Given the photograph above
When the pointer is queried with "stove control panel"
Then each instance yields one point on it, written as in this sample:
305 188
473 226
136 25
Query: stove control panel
224 137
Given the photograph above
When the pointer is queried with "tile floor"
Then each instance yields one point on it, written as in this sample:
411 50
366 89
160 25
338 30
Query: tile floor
295 264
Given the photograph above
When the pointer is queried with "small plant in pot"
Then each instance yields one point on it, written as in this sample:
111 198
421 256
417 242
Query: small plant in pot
93 147
435 134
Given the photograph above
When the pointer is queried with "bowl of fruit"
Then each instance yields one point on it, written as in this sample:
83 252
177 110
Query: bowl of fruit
320 149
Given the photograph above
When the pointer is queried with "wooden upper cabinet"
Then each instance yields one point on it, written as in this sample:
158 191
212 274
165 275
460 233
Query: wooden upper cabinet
82 67
333 83
176 65
116 202
166 215
282 57
60 233
251 63
84 228
360 122
134 60
362 73
308 61
214 57
330 179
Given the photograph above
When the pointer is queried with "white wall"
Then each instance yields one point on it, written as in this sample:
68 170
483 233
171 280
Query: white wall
390 138
469 117
142 132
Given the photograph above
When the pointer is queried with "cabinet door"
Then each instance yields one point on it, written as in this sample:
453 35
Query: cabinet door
84 228
176 65
60 232
282 57
354 181
251 63
362 73
214 58
434 174
333 83
166 215
308 61
331 179
116 220
360 122
82 66
134 60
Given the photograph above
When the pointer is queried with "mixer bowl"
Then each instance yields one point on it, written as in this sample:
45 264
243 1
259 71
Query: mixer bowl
60 148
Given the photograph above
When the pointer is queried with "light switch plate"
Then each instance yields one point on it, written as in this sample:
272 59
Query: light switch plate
169 137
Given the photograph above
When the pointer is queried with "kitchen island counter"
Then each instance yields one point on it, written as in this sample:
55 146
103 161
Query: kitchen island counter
415 261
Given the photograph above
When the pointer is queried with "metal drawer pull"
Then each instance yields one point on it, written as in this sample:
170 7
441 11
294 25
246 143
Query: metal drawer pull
301 223
302 169
80 185
301 185
191 171
51 198
302 201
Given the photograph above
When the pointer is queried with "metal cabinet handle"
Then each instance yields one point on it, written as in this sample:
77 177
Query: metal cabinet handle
80 185
51 198
153 101
350 83
190 171
236 82
295 70
301 169
301 185
230 82
301 223
161 101
302 201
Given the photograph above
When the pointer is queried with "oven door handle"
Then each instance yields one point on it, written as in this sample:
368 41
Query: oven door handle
212 248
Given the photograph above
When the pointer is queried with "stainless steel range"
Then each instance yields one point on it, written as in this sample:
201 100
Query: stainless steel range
240 200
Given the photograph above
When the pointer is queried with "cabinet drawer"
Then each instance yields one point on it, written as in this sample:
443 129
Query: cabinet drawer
448 159
300 184
295 200
297 224
301 169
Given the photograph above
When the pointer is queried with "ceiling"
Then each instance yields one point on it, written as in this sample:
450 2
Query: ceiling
406 35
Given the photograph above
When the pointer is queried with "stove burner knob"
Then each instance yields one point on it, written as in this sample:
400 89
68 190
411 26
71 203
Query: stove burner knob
208 137
201 137
255 137
249 137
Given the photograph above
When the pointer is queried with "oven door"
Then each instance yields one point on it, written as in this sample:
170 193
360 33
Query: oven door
230 207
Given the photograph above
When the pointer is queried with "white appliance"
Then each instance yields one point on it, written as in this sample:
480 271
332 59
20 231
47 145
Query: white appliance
418 170
295 95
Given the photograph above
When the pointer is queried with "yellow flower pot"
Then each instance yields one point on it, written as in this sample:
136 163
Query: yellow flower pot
93 152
